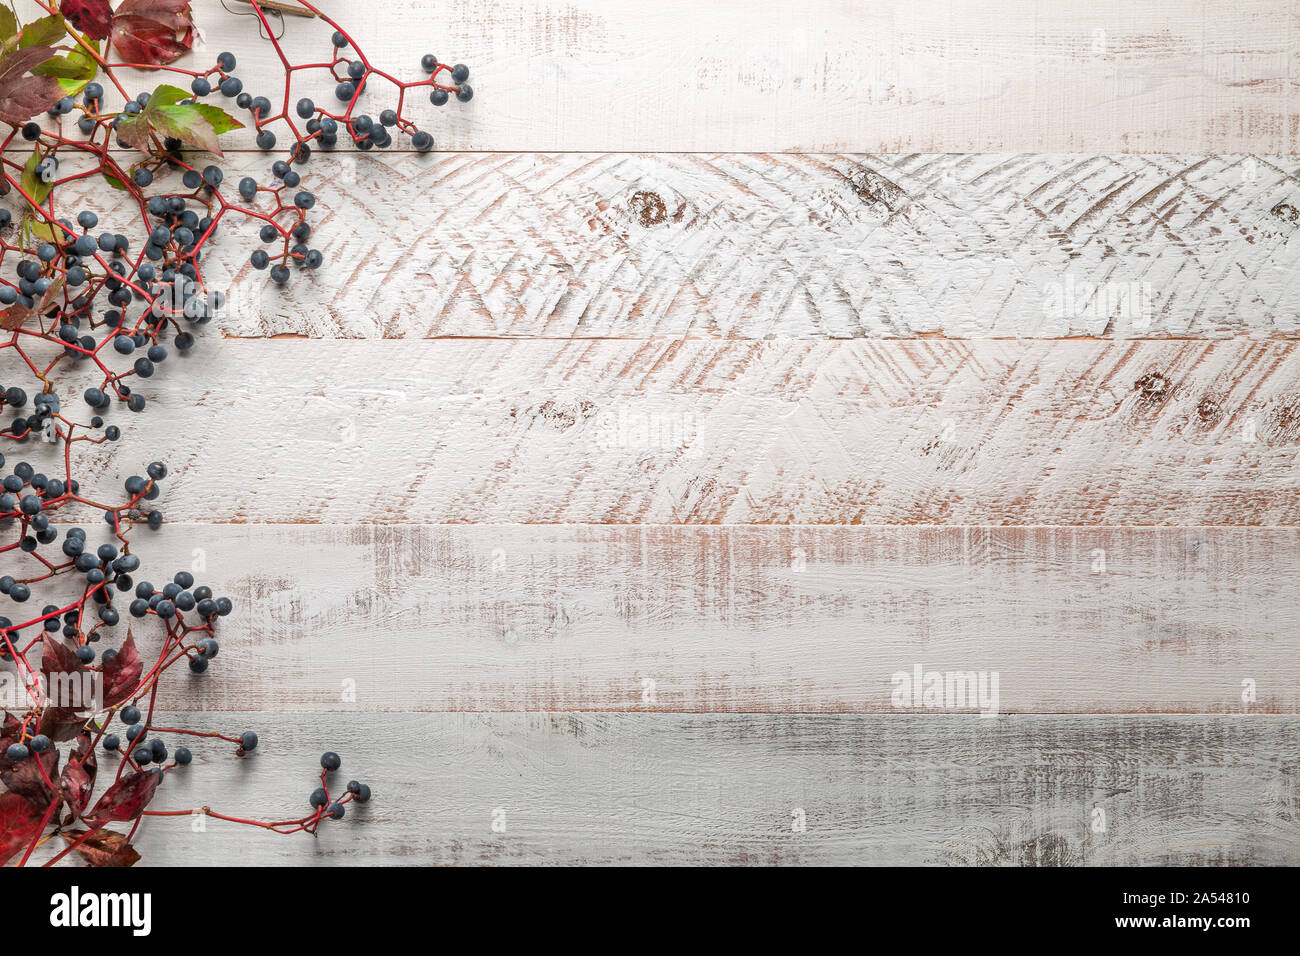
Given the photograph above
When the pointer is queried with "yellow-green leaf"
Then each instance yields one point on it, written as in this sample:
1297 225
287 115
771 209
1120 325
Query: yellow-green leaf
73 71
47 31
195 124
222 122
35 187
8 23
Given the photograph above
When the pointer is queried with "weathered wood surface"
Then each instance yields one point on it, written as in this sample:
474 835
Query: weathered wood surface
756 246
893 75
722 789
929 432
663 619
473 259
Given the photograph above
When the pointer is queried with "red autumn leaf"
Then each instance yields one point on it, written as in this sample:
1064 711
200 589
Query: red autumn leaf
126 799
58 659
78 779
122 673
25 778
20 822
103 848
153 32
23 96
92 17
62 723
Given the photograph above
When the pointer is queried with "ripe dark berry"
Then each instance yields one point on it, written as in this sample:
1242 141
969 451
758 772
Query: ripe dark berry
39 744
460 73
183 756
248 740
17 753
130 714
330 760
112 742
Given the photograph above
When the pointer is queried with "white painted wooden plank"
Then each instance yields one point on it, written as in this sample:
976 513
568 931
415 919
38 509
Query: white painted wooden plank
928 432
667 789
527 618
820 75
758 246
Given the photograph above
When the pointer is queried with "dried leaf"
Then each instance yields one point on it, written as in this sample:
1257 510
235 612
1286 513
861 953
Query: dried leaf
103 848
20 823
153 32
126 799
92 17
14 316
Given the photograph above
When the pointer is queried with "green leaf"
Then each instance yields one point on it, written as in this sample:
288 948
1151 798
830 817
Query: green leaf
113 180
8 23
36 187
34 229
194 124
73 71
47 31
222 122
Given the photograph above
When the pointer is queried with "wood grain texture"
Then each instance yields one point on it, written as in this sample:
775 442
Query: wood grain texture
759 246
722 789
821 75
600 618
928 432
762 246
567 412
